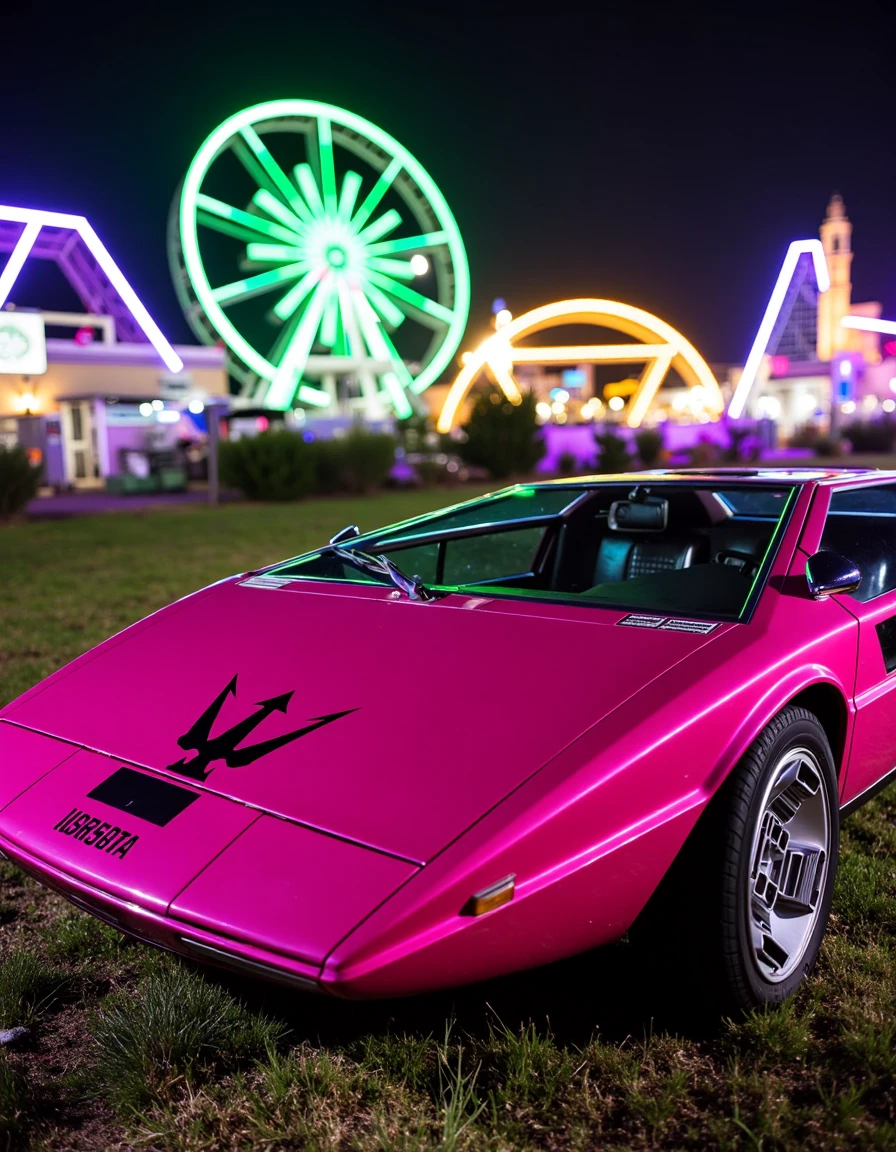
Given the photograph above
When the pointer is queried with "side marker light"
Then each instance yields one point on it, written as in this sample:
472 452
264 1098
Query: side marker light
486 900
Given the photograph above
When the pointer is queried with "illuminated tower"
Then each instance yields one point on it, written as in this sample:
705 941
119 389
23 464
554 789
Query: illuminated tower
833 305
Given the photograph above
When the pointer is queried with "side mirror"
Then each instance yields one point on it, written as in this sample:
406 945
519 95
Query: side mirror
348 533
830 574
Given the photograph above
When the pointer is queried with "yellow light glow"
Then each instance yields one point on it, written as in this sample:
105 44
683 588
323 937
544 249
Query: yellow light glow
616 403
503 318
557 407
660 348
27 402
543 409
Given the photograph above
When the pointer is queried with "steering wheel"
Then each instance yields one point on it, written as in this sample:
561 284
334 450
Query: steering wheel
746 564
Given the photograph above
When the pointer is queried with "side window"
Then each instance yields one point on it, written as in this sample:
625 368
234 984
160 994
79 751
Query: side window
861 525
421 560
473 559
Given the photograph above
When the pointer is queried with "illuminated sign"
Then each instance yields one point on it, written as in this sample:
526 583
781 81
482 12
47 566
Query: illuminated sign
336 243
662 348
773 311
23 344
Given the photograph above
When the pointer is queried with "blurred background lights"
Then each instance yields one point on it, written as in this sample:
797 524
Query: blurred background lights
889 405
196 406
145 409
543 409
769 407
499 305
616 403
560 394
158 405
845 369
848 408
502 318
419 264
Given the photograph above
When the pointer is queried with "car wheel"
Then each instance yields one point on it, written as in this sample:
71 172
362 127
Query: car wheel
741 913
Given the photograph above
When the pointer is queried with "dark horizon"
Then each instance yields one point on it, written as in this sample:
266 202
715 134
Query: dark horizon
643 157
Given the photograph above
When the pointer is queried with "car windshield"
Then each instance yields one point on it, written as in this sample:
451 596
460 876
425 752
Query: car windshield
677 548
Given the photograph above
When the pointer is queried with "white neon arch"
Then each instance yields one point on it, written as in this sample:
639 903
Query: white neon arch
662 347
773 311
34 220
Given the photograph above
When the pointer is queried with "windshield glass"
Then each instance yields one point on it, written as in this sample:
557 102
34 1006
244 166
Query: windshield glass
697 549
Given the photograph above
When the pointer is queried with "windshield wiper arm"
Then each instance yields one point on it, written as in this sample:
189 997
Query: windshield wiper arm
412 586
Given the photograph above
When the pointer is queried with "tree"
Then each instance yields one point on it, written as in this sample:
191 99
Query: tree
503 437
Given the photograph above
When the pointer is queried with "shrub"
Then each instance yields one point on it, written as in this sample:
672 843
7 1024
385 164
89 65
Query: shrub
567 463
501 436
19 479
357 462
649 442
826 446
871 435
614 455
704 454
276 465
743 446
806 436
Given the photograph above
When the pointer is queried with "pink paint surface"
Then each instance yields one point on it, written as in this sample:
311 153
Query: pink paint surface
24 758
455 701
155 869
303 905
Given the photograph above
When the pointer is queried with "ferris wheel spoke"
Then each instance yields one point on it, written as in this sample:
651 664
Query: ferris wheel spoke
327 164
329 325
400 268
253 285
376 193
309 189
224 217
269 203
389 311
381 348
429 312
272 253
408 243
353 344
351 186
292 364
258 161
287 304
386 223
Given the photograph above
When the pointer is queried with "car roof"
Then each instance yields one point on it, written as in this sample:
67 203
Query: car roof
741 475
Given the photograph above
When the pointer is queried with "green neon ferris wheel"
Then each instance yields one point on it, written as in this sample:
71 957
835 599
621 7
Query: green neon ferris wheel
340 259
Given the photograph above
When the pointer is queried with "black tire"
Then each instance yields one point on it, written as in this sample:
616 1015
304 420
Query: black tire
695 934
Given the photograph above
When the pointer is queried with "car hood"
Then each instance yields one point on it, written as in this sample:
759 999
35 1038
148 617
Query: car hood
348 708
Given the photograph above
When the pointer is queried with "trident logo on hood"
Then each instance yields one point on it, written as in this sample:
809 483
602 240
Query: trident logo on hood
224 747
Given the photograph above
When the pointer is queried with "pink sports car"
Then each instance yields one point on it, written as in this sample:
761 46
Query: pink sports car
488 738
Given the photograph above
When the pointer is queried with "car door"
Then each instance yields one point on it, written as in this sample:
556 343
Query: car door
861 525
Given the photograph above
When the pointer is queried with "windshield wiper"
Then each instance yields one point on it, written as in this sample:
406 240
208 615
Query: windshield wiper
412 586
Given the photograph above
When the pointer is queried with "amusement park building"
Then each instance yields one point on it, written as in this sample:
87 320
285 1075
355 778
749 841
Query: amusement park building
816 370
98 393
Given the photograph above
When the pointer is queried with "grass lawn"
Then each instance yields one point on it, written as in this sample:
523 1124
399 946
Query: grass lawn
130 1048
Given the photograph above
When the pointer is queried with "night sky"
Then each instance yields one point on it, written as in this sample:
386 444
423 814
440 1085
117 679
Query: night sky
664 156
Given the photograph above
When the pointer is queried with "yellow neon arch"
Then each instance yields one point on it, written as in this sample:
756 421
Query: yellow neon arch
661 347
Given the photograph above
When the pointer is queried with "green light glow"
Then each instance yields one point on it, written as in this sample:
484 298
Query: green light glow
336 257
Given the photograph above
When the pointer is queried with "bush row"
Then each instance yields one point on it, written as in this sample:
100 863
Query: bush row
19 480
281 465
